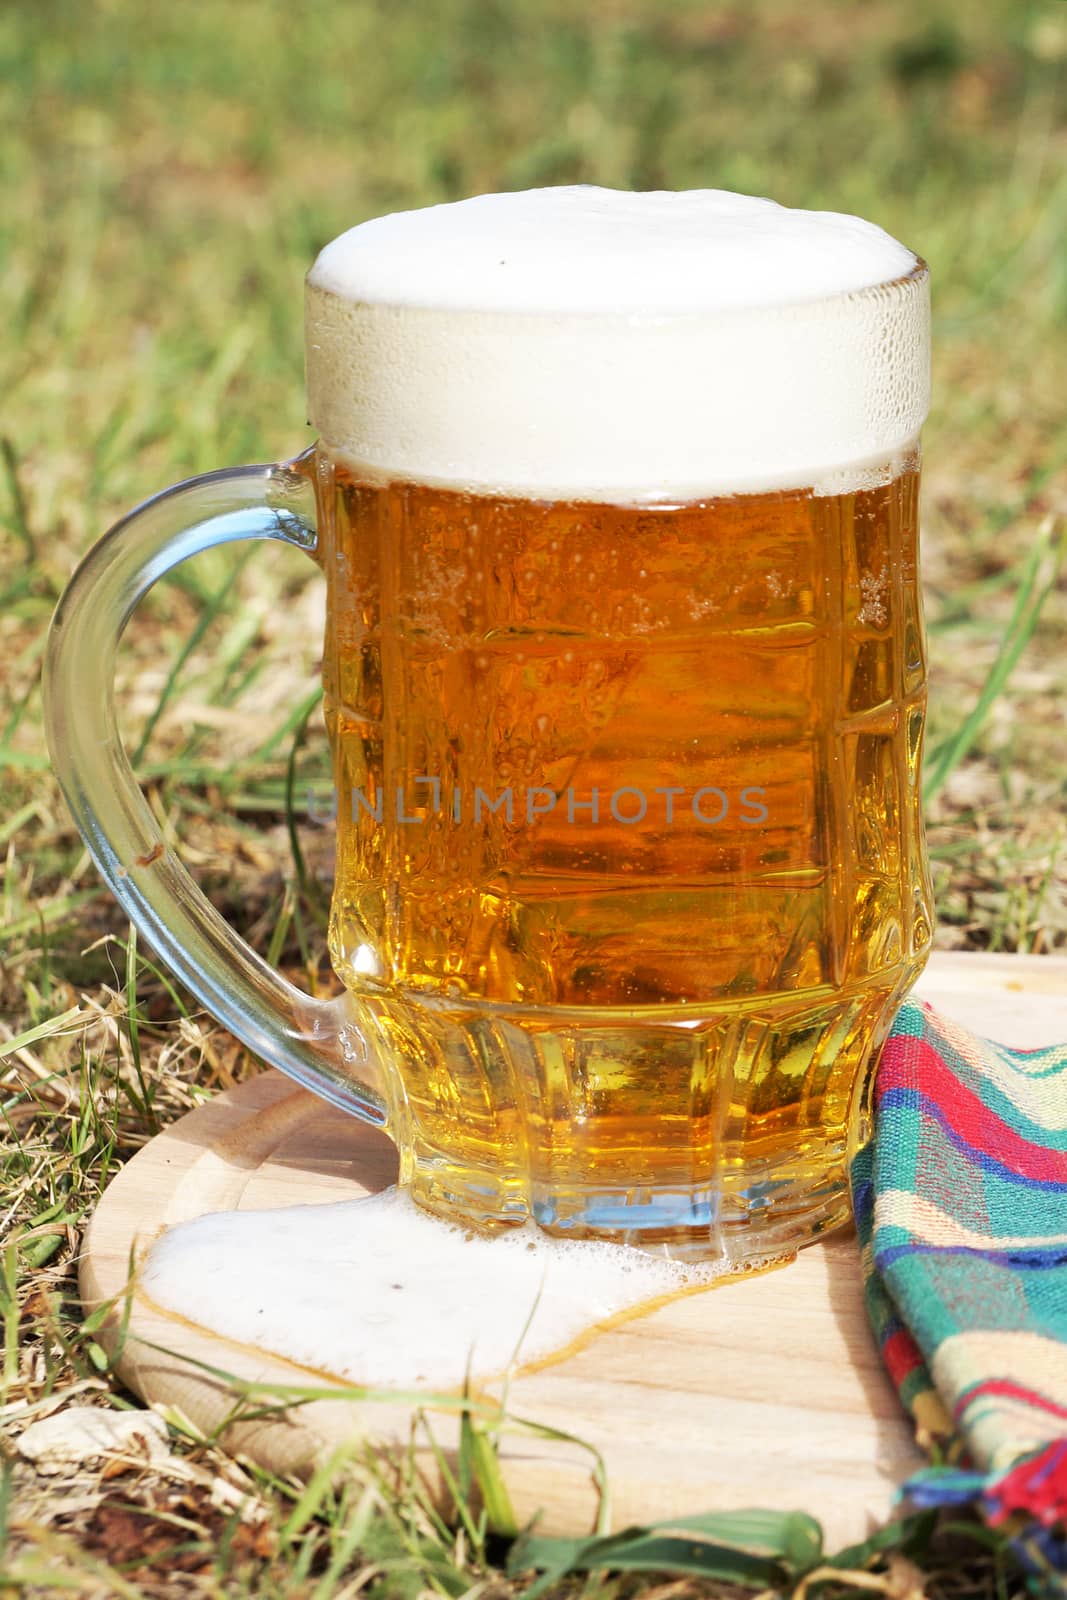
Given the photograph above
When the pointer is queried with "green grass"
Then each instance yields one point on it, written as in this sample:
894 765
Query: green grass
168 174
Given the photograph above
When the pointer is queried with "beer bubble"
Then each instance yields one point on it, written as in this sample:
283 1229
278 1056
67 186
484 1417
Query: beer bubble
641 348
376 1291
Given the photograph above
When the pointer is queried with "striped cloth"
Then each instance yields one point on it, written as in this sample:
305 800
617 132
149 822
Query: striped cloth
961 1207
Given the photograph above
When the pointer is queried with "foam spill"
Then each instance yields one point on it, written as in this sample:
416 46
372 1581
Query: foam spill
596 344
378 1292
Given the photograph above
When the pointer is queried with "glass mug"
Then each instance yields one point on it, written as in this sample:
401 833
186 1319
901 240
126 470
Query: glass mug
625 686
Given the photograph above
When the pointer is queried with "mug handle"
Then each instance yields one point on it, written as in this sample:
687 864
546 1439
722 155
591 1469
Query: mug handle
316 1042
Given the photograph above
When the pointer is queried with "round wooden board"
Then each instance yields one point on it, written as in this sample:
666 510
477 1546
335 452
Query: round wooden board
763 1392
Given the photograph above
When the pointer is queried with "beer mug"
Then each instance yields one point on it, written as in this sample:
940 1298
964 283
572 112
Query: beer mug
615 496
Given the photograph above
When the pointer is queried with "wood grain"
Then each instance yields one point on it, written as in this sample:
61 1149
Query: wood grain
763 1392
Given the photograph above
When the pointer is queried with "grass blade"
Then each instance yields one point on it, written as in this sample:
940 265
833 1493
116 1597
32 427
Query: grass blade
44 1030
212 607
1038 582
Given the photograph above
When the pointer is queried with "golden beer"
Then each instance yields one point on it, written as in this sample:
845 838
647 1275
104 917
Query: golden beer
630 865
616 502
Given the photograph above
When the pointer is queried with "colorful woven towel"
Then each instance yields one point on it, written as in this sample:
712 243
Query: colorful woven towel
961 1206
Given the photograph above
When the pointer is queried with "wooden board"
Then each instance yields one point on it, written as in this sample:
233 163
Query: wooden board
763 1392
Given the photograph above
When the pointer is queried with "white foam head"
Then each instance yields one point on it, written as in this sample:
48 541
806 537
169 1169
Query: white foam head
591 343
